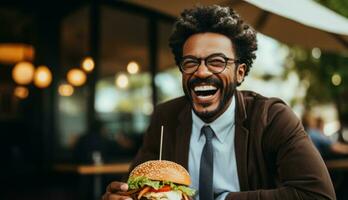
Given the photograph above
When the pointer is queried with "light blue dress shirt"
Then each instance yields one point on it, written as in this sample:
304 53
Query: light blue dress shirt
225 166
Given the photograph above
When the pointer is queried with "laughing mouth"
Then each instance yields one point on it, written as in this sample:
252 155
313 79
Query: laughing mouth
205 90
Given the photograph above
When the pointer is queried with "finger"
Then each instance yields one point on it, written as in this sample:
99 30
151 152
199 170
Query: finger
117 186
104 197
117 197
111 196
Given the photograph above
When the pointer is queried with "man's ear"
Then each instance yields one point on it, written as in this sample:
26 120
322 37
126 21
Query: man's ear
240 72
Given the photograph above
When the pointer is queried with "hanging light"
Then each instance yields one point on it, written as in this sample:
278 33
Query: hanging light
76 77
23 73
88 64
133 67
21 92
11 53
42 77
122 81
65 90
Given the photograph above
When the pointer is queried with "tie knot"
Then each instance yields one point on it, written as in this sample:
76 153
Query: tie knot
208 132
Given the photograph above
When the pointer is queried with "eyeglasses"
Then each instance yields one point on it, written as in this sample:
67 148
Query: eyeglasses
216 63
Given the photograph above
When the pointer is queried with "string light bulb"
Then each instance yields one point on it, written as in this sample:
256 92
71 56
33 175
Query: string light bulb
122 81
88 64
42 77
65 90
133 67
21 92
76 77
23 73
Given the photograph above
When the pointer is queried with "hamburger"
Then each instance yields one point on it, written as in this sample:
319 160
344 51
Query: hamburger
160 180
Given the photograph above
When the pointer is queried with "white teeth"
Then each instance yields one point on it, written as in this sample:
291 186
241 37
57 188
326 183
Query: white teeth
204 88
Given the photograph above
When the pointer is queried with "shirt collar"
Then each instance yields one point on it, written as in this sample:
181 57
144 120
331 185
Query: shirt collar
220 124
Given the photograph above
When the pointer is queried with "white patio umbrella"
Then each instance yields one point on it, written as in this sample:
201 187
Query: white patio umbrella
296 22
301 22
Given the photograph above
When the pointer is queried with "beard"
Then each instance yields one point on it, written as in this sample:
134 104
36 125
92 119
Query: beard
226 94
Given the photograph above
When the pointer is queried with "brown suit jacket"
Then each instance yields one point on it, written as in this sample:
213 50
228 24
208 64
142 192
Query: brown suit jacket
275 158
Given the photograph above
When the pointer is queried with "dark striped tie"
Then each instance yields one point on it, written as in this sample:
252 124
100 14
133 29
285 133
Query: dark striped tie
207 166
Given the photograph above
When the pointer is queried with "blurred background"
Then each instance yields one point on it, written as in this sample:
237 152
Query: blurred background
79 80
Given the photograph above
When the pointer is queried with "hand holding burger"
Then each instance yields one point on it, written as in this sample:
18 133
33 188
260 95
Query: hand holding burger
113 189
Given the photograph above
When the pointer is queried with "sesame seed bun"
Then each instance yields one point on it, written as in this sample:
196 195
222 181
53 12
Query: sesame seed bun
162 171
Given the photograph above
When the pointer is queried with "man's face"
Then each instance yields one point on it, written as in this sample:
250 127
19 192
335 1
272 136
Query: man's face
210 93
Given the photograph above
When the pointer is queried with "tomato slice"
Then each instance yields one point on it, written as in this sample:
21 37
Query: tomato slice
165 188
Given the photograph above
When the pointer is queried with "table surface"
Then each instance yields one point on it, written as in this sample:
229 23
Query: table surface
337 164
117 168
108 168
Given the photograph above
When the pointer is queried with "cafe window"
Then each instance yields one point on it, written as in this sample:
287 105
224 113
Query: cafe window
124 90
71 113
123 98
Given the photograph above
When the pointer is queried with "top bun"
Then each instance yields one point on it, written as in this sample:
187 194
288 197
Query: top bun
162 170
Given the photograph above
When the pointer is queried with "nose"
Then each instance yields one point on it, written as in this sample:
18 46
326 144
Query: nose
203 71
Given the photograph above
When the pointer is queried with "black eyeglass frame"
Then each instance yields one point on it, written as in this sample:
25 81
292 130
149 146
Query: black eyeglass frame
199 60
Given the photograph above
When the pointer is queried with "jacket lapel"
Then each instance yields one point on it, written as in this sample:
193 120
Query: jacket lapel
241 141
183 134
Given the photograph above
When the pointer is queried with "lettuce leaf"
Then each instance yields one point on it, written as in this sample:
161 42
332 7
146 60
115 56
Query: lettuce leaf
140 181
182 188
187 190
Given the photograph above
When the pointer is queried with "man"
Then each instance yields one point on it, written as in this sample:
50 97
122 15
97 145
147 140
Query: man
236 144
328 149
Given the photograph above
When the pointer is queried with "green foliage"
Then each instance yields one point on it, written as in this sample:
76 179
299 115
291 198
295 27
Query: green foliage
326 78
327 75
339 6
